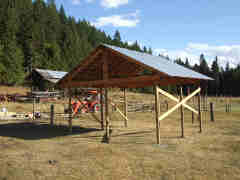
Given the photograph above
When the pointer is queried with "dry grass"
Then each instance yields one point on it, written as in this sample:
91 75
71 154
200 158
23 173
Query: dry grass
38 151
13 90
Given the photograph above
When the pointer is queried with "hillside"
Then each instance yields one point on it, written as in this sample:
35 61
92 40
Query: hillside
36 34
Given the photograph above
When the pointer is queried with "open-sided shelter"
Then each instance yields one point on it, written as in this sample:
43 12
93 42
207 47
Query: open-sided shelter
109 66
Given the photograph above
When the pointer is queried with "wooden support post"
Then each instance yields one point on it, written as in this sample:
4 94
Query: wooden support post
125 107
211 112
52 115
192 117
182 114
107 116
101 108
34 108
70 111
199 112
157 114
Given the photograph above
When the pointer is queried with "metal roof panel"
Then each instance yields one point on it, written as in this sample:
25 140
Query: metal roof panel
51 74
161 64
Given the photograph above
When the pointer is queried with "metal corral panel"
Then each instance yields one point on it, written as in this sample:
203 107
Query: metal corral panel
160 63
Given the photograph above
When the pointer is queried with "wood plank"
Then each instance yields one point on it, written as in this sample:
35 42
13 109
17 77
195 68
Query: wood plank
125 106
179 104
70 111
176 100
199 114
131 82
157 114
120 112
107 119
135 61
182 113
101 104
107 116
91 57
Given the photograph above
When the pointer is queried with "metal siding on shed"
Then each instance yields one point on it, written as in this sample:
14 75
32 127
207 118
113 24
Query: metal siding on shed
160 63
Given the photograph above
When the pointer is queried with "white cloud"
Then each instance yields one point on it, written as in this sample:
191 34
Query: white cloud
174 54
126 20
225 53
104 3
76 2
113 3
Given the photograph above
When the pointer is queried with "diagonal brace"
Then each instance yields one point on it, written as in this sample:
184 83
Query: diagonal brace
163 116
176 100
120 112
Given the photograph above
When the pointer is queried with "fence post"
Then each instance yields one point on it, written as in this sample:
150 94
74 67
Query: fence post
211 112
192 117
167 104
226 107
52 115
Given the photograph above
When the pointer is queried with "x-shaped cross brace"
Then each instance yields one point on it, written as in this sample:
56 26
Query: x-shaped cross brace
180 103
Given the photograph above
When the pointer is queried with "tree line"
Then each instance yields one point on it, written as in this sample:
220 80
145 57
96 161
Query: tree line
226 80
36 34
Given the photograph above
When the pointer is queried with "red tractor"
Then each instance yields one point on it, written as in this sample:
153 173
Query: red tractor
90 103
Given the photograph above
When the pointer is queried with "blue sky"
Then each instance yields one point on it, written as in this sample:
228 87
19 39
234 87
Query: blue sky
179 28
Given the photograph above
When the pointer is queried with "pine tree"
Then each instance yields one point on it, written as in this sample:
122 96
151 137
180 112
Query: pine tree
203 67
214 85
117 38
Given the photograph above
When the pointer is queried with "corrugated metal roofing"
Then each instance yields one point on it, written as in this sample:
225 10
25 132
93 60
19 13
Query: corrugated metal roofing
160 63
50 75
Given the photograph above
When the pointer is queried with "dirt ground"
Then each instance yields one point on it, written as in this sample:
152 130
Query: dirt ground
35 150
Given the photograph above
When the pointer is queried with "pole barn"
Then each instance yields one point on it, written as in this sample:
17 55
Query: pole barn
109 66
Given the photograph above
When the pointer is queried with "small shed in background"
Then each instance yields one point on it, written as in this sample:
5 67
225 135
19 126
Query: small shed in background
43 79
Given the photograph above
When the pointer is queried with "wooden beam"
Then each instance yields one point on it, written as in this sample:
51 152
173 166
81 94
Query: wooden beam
120 112
157 114
107 119
179 104
135 61
176 100
105 71
111 82
70 111
182 113
101 108
199 114
107 116
90 58
125 107
131 82
84 63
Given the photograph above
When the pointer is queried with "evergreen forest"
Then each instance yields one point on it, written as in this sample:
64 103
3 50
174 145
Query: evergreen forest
37 34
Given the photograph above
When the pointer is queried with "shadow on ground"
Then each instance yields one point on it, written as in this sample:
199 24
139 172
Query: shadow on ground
33 131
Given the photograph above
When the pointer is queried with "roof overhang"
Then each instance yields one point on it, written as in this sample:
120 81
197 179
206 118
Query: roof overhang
109 66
